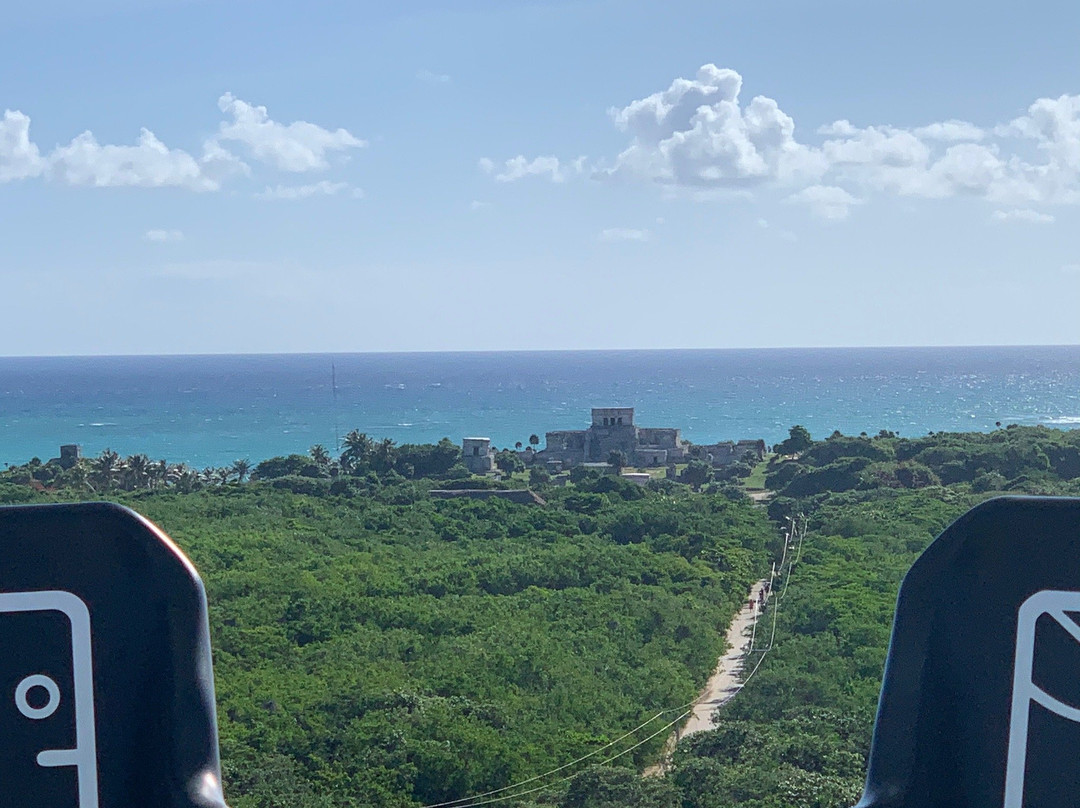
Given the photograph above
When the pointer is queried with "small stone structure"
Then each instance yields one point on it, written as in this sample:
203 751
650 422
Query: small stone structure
727 452
477 455
70 454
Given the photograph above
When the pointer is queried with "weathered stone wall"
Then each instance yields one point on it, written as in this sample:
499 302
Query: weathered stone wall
477 456
752 447
612 416
662 438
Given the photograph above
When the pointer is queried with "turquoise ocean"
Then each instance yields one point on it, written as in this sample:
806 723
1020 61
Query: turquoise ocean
212 410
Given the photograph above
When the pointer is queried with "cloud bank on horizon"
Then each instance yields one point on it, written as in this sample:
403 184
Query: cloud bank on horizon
296 147
698 136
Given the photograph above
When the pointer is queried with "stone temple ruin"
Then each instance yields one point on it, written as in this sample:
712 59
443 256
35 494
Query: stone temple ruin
477 454
613 429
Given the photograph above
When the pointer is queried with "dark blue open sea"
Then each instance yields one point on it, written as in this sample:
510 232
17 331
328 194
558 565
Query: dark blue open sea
211 410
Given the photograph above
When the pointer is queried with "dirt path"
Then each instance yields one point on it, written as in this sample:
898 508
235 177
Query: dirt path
724 680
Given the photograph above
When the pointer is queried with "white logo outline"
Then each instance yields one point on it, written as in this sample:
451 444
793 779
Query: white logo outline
84 756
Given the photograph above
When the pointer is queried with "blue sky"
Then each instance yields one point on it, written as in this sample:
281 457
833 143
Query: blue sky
207 177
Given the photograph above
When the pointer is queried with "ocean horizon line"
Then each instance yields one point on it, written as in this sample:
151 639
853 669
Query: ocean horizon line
548 351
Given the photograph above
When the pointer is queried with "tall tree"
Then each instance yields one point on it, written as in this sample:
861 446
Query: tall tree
321 457
384 456
107 467
696 474
798 441
358 452
240 469
137 472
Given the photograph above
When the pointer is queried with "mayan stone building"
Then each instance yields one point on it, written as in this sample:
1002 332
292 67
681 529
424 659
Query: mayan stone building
727 452
613 429
477 455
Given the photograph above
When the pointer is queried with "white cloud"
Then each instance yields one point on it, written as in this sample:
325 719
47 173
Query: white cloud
148 164
950 131
19 157
164 235
843 128
698 138
519 167
884 146
1026 215
298 146
429 77
624 234
476 204
697 134
826 201
322 188
1071 269
957 158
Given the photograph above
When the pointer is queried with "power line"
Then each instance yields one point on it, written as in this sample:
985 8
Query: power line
662 729
476 800
598 750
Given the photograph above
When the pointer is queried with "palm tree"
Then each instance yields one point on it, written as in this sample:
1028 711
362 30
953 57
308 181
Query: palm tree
107 465
534 440
358 451
321 457
138 472
80 476
384 457
208 475
518 446
240 468
187 479
159 474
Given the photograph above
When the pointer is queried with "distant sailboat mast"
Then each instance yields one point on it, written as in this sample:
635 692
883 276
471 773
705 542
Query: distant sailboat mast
333 387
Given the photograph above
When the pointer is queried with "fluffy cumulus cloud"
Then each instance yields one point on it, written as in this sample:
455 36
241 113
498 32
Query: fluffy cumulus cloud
298 146
701 135
697 133
150 163
19 157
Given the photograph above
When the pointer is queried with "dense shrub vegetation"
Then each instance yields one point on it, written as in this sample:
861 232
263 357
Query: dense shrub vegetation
377 647
380 648
798 733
